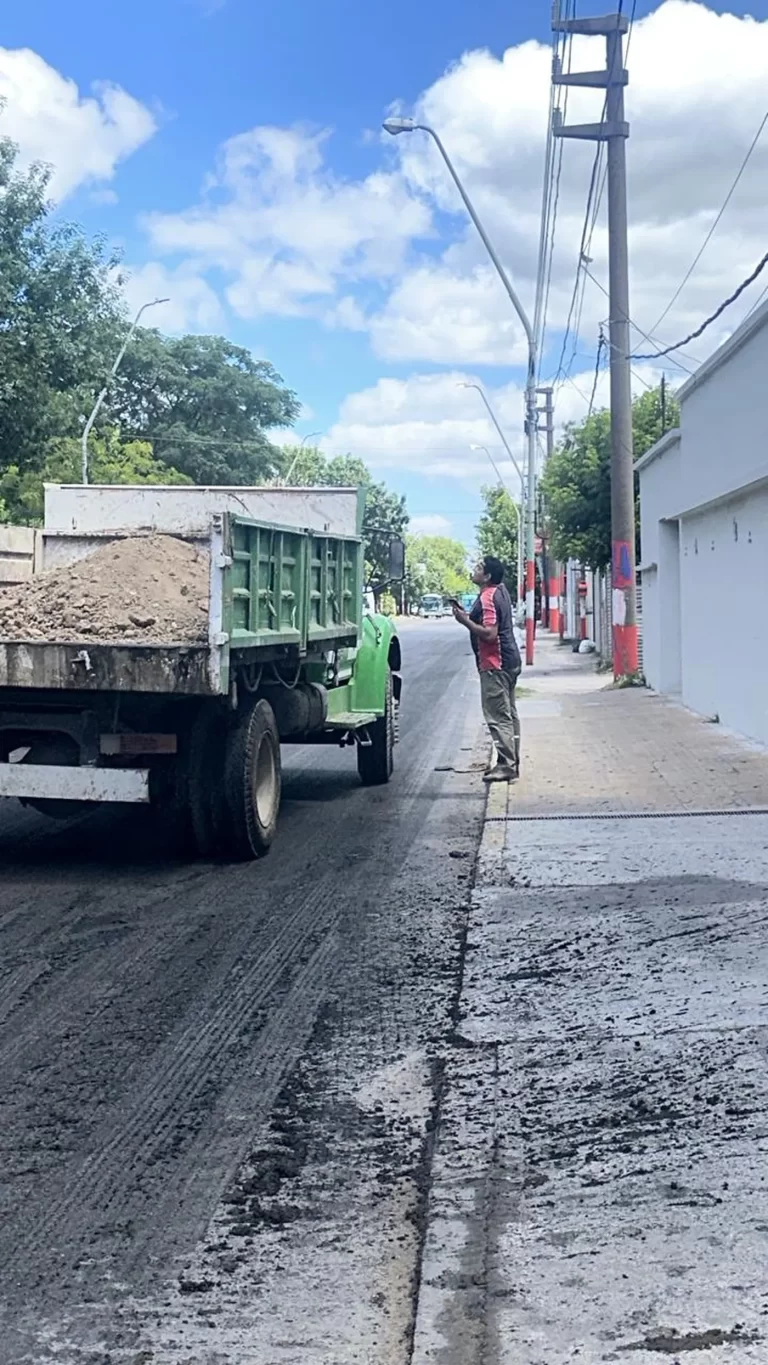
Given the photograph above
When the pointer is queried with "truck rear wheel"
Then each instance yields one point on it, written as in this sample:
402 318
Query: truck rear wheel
252 783
376 761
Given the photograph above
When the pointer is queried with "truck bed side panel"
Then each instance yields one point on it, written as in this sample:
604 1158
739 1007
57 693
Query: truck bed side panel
106 668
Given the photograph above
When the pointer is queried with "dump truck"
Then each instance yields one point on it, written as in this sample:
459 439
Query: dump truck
187 711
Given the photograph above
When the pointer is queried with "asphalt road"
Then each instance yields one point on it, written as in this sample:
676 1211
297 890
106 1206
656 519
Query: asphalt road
219 1083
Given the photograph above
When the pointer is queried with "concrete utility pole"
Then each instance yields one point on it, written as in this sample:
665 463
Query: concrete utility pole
614 130
550 584
397 126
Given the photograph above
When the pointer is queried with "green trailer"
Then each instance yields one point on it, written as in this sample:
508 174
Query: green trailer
195 727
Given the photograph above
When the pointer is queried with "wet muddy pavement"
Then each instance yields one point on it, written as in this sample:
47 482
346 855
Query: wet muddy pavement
599 1184
219 1084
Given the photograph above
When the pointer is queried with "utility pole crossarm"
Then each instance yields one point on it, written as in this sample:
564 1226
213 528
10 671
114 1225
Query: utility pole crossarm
591 132
599 26
593 80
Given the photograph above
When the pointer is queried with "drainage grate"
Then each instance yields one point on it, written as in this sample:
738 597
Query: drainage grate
565 816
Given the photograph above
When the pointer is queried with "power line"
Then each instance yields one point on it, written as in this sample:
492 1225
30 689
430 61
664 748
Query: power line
600 345
594 200
646 335
759 268
756 304
711 232
551 191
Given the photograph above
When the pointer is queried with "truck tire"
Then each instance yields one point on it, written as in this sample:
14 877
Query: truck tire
376 761
252 783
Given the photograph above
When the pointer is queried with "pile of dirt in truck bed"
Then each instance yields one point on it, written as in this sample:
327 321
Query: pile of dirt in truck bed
148 589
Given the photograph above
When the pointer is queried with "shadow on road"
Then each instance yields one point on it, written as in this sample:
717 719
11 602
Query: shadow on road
132 837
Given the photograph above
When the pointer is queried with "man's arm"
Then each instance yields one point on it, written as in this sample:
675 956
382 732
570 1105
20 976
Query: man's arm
487 633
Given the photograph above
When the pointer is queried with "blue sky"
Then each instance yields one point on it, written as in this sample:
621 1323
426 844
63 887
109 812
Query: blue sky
376 317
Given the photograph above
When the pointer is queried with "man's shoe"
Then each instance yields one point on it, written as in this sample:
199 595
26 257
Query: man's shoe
500 773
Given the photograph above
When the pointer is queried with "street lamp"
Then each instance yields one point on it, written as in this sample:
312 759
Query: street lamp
518 514
298 453
464 385
396 126
87 428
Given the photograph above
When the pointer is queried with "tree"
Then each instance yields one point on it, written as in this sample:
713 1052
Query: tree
205 404
385 516
59 308
111 461
435 564
577 481
497 531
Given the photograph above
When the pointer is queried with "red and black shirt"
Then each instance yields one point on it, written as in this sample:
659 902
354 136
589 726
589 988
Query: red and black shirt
494 608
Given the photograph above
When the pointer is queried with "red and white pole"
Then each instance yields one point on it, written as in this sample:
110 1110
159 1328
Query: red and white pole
554 602
582 610
530 549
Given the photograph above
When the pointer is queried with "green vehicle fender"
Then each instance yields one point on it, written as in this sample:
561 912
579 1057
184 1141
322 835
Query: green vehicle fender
378 655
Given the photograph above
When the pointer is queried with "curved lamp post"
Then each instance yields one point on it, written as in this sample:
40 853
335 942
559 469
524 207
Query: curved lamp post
397 126
519 516
152 303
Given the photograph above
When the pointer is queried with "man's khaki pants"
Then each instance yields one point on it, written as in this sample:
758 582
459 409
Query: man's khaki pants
497 689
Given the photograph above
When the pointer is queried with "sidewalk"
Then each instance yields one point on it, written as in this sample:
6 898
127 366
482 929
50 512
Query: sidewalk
600 1178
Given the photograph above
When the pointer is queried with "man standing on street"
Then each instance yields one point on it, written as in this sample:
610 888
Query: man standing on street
492 633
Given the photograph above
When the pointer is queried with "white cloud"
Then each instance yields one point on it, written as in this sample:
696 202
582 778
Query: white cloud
82 137
430 524
438 315
192 304
393 253
695 99
427 424
285 231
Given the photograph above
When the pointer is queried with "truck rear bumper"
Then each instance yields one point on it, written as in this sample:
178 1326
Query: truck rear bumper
59 783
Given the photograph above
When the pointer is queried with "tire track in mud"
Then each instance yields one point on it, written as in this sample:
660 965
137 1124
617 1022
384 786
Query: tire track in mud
128 1143
247 957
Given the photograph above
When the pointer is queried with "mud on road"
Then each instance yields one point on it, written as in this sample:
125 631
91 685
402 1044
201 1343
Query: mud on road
219 1083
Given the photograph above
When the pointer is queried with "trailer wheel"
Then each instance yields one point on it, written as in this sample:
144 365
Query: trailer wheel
252 783
376 761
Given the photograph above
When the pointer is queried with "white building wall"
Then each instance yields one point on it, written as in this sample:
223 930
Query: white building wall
725 421
704 539
659 496
724 566
651 649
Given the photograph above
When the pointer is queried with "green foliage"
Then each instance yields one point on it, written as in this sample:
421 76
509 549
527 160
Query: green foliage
435 564
577 481
110 461
59 308
205 404
386 515
497 531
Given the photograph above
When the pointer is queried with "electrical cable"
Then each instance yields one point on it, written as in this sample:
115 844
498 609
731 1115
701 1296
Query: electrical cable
646 335
551 194
758 270
600 345
711 232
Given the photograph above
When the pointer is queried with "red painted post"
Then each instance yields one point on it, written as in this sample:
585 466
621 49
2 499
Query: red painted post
554 603
582 610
